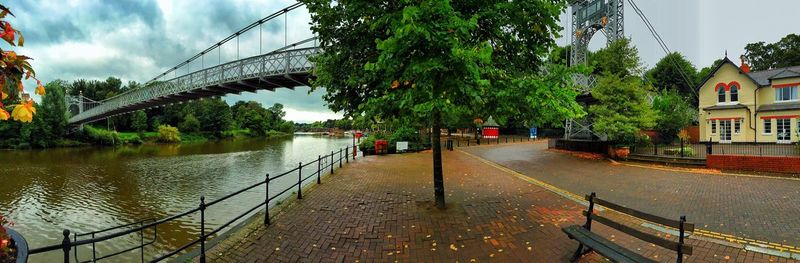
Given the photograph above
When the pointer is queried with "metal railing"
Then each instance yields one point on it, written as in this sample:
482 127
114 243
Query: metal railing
324 162
464 141
680 149
703 149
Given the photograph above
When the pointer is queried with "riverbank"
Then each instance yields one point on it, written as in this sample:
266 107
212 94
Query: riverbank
380 209
91 136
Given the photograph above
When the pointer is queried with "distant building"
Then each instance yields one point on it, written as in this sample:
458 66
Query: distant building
737 105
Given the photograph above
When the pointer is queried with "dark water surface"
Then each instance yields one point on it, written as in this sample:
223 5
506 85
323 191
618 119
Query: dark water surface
89 189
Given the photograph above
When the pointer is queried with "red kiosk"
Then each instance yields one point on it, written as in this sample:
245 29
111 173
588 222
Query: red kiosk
490 129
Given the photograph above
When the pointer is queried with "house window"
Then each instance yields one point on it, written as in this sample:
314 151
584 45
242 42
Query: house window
767 126
784 130
734 93
721 95
737 126
786 94
713 126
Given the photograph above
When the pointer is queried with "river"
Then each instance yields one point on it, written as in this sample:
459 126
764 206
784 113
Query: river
93 188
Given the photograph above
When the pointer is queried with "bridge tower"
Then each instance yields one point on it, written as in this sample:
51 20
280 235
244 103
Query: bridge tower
588 18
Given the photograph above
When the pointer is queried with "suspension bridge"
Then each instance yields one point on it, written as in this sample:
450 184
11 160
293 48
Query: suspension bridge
286 67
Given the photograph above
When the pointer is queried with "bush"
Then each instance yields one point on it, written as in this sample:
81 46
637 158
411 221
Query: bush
687 151
168 134
101 136
189 124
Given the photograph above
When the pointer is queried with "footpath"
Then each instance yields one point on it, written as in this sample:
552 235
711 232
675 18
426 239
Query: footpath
380 209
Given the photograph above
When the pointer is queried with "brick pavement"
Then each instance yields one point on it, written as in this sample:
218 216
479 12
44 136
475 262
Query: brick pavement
380 209
749 207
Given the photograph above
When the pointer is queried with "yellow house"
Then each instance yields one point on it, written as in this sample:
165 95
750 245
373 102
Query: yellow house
737 105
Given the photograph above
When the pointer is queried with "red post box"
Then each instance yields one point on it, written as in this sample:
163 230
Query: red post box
381 146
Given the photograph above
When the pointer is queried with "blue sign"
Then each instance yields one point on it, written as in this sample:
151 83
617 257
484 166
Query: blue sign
533 132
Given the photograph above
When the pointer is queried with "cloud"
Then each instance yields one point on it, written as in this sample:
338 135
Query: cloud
139 39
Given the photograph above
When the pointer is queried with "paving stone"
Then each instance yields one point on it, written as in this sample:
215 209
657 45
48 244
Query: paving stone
390 217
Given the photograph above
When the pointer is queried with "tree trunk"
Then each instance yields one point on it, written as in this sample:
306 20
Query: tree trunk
438 178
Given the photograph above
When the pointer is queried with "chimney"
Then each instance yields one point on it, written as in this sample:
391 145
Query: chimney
745 68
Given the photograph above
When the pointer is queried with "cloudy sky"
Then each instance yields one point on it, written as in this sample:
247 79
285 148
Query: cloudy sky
138 39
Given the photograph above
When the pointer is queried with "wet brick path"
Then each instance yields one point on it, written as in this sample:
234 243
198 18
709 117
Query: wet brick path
380 209
758 208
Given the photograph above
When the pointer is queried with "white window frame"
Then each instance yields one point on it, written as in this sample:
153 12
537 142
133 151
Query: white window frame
722 131
767 124
777 131
724 96
734 90
713 126
793 93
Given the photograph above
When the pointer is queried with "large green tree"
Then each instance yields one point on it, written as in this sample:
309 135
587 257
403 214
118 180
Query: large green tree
623 108
674 72
784 53
424 59
673 111
619 58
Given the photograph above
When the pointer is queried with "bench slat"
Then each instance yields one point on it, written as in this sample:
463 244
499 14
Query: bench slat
688 227
647 237
603 246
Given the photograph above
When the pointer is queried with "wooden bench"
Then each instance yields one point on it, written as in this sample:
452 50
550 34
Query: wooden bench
595 242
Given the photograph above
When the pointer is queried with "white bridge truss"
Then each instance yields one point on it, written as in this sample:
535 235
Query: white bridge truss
287 67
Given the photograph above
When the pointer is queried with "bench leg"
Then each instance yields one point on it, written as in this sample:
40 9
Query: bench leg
579 253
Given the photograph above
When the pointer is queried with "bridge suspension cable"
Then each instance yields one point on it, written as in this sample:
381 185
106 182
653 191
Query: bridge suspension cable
661 43
284 11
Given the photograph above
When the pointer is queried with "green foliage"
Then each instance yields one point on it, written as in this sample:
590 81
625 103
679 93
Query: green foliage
784 53
101 136
669 73
189 124
287 127
139 121
168 134
623 108
688 151
130 138
620 58
673 113
437 52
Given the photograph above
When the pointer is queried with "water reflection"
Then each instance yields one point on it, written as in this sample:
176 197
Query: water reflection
87 189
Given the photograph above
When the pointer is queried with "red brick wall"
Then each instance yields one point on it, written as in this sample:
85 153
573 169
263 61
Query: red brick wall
774 164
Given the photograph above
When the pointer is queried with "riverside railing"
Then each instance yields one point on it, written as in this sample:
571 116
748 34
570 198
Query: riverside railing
462 141
323 163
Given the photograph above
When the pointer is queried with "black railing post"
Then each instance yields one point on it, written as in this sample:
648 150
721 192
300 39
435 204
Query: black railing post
66 245
300 180
680 239
319 168
266 200
141 242
94 253
340 157
202 229
682 153
332 162
346 156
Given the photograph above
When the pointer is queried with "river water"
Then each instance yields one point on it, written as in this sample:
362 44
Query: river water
88 189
